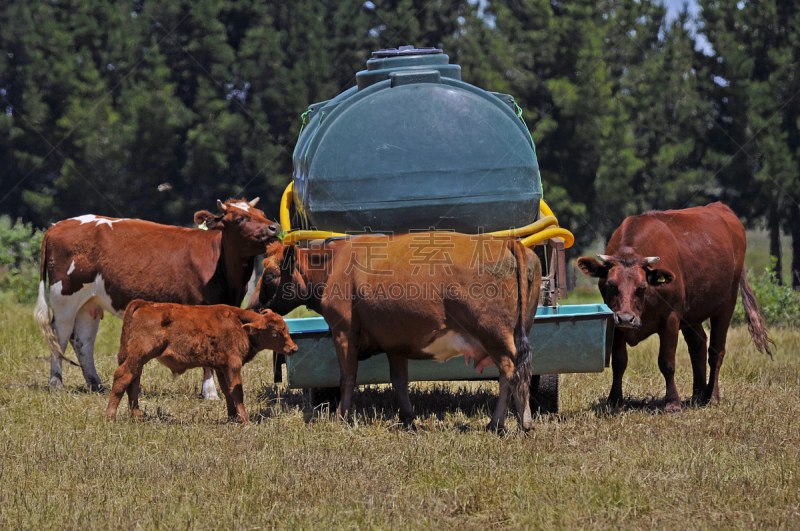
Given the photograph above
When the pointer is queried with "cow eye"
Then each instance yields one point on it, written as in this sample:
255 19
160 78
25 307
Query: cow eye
241 220
269 277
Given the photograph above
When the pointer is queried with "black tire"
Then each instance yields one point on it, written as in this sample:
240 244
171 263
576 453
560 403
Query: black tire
321 395
544 394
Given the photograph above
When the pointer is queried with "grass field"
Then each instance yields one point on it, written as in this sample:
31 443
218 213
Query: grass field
736 465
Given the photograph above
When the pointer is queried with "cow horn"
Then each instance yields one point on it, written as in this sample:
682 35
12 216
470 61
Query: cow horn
249 324
221 206
652 259
254 202
603 258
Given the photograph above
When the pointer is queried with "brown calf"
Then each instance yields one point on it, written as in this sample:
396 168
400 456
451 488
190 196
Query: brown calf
184 337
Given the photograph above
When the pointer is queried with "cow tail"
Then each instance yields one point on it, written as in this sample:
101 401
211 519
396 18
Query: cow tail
522 364
753 317
41 312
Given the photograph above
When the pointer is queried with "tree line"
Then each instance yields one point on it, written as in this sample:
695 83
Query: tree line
156 109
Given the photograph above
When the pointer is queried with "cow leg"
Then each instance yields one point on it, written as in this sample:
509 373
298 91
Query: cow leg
223 384
398 374
84 333
619 362
233 377
498 421
716 348
208 391
666 362
64 323
696 340
344 338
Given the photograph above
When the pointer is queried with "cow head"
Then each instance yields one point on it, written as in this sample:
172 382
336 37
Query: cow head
292 277
242 223
268 330
625 280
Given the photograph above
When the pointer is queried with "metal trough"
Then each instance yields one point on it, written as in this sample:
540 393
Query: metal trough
565 339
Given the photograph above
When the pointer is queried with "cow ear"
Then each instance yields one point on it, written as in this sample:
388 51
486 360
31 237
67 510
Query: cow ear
252 319
593 268
206 219
289 258
659 277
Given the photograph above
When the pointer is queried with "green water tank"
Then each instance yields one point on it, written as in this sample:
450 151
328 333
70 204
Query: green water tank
414 147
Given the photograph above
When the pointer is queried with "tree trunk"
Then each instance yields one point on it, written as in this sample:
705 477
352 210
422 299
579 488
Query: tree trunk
775 245
794 223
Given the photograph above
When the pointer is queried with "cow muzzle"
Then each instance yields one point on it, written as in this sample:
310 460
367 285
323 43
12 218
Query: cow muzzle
627 321
288 351
270 233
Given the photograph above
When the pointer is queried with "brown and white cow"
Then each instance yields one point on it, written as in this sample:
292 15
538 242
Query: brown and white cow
668 272
425 296
94 264
183 337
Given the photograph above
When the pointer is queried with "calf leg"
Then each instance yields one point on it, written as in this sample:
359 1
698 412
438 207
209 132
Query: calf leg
398 373
133 397
123 377
716 349
208 390
223 384
83 336
233 377
619 362
666 362
696 340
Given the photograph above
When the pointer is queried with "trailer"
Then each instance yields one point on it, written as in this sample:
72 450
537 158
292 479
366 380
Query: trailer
413 147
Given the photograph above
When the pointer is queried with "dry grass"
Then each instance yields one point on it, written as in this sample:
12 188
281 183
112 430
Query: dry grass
736 465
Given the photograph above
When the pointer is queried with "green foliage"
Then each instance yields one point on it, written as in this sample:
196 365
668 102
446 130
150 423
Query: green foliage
20 250
780 305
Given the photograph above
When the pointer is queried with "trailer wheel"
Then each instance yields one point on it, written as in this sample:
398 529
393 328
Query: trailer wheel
544 393
317 396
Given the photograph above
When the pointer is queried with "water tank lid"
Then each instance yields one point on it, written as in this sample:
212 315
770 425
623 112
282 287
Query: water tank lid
405 50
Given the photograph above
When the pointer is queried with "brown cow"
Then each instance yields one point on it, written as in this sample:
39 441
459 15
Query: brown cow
665 272
428 296
184 337
93 264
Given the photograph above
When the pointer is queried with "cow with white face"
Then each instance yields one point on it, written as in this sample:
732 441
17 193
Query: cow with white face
94 264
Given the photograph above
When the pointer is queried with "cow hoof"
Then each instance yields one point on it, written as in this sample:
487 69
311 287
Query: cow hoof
672 408
98 388
56 384
499 429
209 396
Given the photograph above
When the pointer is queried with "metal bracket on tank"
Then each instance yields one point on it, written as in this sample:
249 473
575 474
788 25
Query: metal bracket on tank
405 50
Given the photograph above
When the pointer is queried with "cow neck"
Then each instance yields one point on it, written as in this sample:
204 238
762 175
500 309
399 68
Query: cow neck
317 276
232 273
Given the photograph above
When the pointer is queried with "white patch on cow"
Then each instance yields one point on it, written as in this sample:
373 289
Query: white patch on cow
209 389
71 268
66 307
452 344
243 205
89 218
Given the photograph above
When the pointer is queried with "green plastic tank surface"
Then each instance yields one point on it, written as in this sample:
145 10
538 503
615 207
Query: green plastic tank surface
414 147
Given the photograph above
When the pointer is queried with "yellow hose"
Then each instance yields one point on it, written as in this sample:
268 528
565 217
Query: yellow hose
543 229
286 202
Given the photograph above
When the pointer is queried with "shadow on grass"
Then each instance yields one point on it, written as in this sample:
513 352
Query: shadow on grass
649 404
380 404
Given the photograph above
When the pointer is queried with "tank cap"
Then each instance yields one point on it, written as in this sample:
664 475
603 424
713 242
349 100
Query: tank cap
405 50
